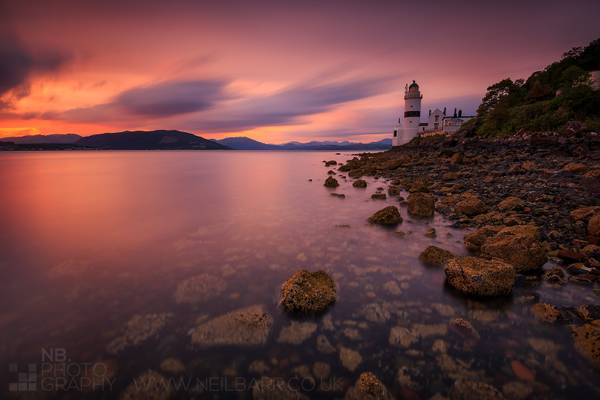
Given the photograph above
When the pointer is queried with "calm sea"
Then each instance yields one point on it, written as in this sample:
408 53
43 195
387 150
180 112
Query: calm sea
92 240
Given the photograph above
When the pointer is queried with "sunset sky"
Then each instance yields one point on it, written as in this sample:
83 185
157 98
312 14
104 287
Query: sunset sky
273 70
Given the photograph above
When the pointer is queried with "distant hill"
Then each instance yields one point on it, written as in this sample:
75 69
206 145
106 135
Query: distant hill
67 138
564 91
245 143
149 140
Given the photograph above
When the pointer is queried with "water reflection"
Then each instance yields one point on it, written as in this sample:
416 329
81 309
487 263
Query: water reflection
119 257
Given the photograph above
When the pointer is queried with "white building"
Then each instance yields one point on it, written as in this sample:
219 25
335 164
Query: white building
437 120
412 115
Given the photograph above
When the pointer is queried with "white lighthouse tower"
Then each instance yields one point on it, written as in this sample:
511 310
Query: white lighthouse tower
412 115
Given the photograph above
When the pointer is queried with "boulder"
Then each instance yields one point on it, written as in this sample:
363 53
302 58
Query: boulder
387 216
479 276
308 292
331 182
587 341
474 240
360 183
470 205
510 203
368 387
248 326
517 245
421 204
435 256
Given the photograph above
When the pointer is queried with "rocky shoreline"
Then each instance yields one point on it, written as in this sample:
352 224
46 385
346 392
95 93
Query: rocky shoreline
547 182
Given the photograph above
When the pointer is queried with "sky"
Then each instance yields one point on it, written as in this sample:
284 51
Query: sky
275 71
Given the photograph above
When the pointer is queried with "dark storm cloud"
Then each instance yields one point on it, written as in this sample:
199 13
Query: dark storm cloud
18 64
172 98
290 105
161 100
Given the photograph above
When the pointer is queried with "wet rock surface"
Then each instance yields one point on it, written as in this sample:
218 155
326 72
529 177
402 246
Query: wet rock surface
421 204
479 276
389 216
308 292
435 257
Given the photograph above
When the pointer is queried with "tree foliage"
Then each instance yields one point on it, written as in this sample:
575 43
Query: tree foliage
547 100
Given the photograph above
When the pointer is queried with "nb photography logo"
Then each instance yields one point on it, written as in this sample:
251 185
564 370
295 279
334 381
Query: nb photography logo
57 373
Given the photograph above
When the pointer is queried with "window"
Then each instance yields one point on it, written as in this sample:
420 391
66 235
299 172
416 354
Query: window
395 133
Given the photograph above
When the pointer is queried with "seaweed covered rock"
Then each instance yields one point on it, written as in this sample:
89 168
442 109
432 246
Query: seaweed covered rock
421 204
331 182
149 386
594 225
248 326
479 276
435 256
518 245
386 216
470 205
267 388
368 387
308 292
474 240
587 341
360 183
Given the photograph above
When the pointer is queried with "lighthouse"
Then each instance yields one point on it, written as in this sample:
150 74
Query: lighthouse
412 115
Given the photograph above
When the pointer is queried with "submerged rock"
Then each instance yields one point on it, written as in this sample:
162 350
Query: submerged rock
378 196
148 386
308 292
387 216
350 359
324 345
199 288
472 390
435 256
267 388
545 312
248 326
331 182
463 328
518 245
172 366
421 204
481 277
137 330
587 341
368 387
360 183
297 332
